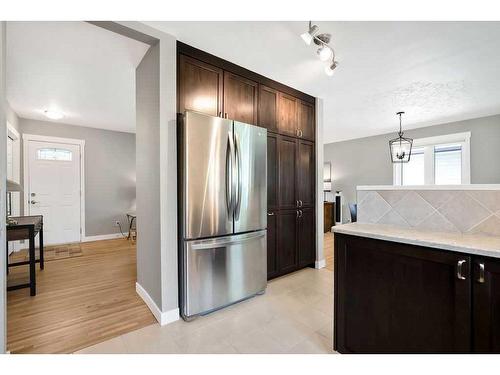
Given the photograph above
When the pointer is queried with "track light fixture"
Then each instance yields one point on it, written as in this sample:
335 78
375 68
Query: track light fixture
325 52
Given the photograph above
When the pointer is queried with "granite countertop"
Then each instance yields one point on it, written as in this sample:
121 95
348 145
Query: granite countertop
464 243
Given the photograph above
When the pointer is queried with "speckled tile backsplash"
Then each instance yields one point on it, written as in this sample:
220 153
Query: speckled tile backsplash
464 211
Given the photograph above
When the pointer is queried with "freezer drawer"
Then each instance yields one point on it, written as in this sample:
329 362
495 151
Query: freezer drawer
218 272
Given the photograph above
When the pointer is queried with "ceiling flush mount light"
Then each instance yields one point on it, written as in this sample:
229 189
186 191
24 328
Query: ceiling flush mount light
400 147
325 52
53 114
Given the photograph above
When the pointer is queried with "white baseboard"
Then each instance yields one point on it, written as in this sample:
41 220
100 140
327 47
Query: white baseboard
320 264
102 237
163 317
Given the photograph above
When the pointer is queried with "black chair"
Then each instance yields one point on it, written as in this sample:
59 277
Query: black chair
353 207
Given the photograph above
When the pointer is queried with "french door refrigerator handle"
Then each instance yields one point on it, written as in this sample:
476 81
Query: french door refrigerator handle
238 173
214 243
229 174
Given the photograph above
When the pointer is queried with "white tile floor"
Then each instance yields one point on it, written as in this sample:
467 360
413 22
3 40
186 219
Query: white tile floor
295 315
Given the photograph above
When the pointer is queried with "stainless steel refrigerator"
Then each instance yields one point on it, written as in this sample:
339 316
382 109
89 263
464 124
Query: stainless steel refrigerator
223 213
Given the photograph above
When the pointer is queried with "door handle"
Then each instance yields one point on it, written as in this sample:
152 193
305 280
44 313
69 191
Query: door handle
480 280
229 174
460 264
34 202
237 153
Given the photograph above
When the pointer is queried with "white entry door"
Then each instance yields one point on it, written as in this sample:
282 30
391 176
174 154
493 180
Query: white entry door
54 189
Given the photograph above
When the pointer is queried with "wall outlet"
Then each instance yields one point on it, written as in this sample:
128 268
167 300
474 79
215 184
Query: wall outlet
117 223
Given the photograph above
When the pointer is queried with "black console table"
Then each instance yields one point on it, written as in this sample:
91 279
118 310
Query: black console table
27 228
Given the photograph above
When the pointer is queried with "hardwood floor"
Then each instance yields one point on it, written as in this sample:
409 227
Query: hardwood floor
80 301
328 250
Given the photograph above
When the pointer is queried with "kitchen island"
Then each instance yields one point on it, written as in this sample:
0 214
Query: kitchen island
405 290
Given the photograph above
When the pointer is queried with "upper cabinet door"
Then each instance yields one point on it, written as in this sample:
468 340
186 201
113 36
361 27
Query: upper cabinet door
199 86
486 306
287 119
268 108
240 98
306 173
306 120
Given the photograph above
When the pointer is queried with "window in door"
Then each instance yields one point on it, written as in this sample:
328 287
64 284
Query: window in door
442 160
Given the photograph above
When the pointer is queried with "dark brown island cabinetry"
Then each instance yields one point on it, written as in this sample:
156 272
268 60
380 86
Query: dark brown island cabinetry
218 87
398 298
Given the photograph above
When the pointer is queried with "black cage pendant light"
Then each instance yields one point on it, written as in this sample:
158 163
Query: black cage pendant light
400 147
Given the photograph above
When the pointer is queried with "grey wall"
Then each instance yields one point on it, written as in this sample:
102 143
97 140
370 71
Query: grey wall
148 175
3 174
366 161
109 172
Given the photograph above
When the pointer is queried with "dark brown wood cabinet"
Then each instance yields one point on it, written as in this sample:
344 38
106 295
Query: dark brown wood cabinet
397 298
486 305
306 120
287 191
268 108
328 216
306 237
306 173
199 86
272 244
218 87
272 171
287 241
240 98
287 114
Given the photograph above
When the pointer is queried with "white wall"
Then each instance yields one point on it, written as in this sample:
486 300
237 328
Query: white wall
320 256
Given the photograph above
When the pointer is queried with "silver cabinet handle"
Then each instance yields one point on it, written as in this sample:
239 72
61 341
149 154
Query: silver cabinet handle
300 203
297 132
296 203
225 114
481 273
460 275
220 114
270 214
300 133
300 213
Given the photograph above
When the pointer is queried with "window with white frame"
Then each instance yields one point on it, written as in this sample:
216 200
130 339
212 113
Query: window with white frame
441 160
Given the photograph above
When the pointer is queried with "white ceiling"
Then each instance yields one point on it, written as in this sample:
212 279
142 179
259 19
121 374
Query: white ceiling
84 71
435 71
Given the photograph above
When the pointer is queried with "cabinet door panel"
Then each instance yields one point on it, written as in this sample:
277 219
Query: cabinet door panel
268 108
397 298
287 172
272 244
307 243
240 98
287 241
287 120
272 171
486 306
306 173
306 120
199 86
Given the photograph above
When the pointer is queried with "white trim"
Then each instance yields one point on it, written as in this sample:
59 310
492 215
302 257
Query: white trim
162 317
430 187
102 237
428 143
13 134
73 141
320 264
